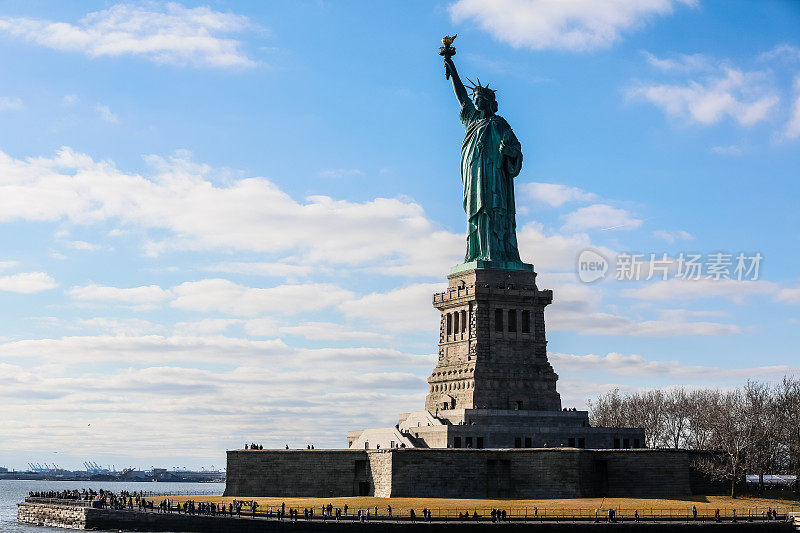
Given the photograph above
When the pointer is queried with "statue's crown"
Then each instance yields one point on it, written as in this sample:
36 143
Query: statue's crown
477 87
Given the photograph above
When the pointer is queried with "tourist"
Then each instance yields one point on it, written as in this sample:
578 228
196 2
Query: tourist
388 510
694 512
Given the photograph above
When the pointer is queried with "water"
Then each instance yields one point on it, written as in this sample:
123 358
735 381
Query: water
13 491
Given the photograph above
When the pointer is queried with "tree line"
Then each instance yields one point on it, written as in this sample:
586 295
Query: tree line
754 429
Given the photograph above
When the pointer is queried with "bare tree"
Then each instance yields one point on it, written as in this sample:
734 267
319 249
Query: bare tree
788 407
699 428
677 413
753 429
761 414
646 410
731 439
607 410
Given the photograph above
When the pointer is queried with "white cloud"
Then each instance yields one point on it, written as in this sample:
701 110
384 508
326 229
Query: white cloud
789 295
330 331
152 349
120 326
10 104
69 99
672 236
221 295
579 307
577 25
551 251
731 149
601 216
782 51
27 282
261 327
590 322
733 93
262 269
676 289
83 245
106 114
555 194
681 63
636 365
149 294
253 385
206 326
335 173
5 265
405 309
793 126
392 236
171 34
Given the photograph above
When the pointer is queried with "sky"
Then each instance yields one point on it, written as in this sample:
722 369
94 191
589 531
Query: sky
222 222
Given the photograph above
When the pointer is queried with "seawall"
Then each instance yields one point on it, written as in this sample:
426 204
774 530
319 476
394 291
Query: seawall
71 517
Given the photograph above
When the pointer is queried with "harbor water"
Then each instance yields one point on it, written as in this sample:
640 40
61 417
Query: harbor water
14 491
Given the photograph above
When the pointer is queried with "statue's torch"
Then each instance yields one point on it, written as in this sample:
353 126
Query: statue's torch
447 51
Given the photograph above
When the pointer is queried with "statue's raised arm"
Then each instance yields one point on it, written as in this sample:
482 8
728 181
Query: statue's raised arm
448 51
458 86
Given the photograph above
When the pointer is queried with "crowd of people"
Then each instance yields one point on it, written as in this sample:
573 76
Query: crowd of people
102 499
125 500
75 494
192 507
254 446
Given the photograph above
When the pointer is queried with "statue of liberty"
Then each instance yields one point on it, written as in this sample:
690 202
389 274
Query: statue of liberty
491 157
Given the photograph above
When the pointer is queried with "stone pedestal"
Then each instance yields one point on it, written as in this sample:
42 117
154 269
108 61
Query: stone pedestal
492 345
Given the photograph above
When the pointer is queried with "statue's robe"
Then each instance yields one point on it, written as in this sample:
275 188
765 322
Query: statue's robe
488 180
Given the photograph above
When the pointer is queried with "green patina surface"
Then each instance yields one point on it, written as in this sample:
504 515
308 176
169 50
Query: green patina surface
504 265
491 157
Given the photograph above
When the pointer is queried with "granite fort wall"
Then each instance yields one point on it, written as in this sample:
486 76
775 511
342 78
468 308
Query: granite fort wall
318 473
469 473
459 473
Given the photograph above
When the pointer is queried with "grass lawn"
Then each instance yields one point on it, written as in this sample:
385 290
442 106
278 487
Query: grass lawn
562 507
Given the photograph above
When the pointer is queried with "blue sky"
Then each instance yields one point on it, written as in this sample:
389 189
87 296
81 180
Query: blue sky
222 222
